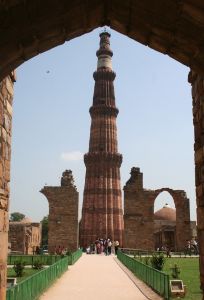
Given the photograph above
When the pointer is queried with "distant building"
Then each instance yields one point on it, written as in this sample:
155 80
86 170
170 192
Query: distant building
165 227
24 236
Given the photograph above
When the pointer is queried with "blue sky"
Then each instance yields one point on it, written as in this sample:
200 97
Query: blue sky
51 121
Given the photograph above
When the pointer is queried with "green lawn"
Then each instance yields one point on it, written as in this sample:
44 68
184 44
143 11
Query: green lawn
27 272
189 274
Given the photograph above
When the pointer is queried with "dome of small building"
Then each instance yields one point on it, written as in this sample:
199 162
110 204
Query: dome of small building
166 213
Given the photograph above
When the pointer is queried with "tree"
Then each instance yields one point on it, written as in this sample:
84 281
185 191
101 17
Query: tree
44 223
16 217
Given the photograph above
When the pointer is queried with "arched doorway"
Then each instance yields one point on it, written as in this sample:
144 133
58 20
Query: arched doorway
31 28
139 214
164 222
182 231
176 29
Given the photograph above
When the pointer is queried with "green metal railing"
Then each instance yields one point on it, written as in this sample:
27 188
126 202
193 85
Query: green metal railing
157 280
32 287
140 252
44 259
31 259
73 257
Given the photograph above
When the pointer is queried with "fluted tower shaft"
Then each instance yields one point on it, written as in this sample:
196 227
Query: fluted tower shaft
102 214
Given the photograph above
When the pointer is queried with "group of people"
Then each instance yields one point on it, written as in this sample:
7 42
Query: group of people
191 247
165 248
60 250
105 246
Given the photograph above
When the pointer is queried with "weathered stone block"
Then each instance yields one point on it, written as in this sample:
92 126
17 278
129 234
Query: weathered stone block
4 221
9 108
199 155
9 85
63 214
200 217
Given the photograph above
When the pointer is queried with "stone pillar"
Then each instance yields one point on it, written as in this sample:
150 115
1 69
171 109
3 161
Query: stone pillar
138 213
197 83
183 228
63 214
6 99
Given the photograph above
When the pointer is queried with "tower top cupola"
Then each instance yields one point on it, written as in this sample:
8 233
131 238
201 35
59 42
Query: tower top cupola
104 53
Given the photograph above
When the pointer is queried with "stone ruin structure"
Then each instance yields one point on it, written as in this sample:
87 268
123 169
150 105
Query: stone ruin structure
24 236
102 214
139 214
6 100
63 214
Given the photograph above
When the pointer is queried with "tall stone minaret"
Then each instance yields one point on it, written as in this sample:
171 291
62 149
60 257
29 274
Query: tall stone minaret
102 214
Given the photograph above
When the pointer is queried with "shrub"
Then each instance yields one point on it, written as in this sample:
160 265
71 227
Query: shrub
18 268
37 265
157 261
146 260
175 271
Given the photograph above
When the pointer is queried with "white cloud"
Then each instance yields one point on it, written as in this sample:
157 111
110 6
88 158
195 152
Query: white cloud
72 156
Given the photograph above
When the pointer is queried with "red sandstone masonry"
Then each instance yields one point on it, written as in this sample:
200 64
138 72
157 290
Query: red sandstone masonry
197 83
102 214
24 237
6 100
63 214
139 214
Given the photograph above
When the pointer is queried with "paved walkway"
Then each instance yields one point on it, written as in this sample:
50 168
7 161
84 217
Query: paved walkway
95 277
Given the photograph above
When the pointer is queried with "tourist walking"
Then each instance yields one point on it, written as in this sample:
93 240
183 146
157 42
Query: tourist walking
109 246
98 246
194 245
105 246
116 244
188 248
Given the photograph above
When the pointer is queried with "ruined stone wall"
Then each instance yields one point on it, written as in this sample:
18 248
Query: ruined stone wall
63 216
6 99
24 237
17 237
35 237
197 83
183 225
139 214
138 220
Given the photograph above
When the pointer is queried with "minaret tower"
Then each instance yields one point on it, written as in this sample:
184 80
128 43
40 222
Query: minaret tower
102 214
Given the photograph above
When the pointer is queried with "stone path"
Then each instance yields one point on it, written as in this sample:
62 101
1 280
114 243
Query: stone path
96 277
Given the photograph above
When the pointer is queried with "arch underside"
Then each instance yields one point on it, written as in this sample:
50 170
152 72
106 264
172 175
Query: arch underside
171 27
183 231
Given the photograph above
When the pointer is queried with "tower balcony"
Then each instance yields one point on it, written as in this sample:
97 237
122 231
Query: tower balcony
108 158
103 110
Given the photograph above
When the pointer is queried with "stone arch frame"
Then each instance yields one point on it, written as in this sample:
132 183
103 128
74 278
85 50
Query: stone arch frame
139 214
174 28
28 28
181 202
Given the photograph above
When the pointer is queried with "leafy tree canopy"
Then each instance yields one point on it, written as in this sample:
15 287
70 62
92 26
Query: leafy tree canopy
16 217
